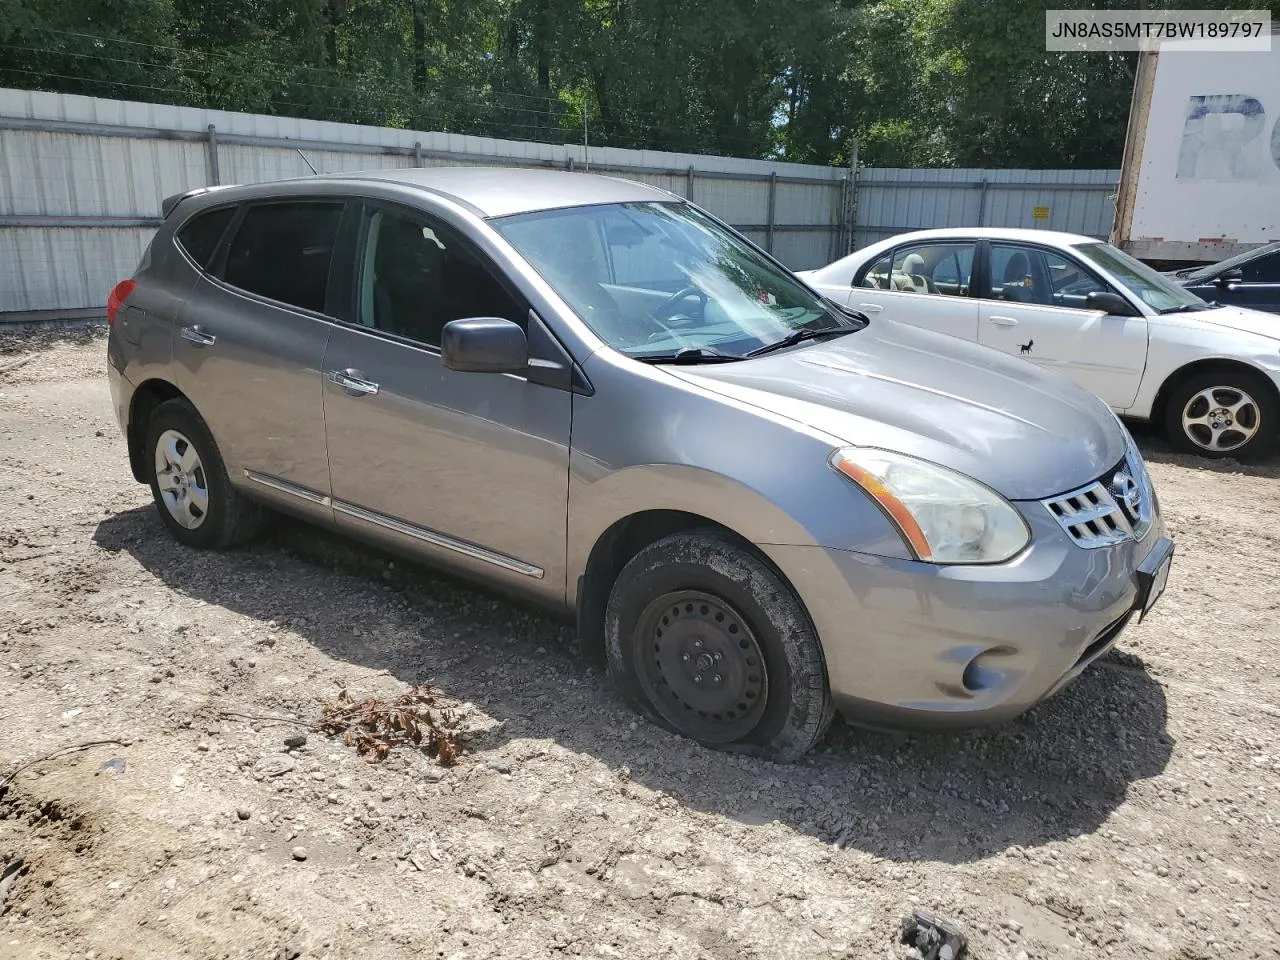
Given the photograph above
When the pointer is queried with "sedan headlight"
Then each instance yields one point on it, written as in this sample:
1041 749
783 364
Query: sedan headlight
944 516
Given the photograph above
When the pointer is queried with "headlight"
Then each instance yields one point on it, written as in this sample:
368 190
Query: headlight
944 516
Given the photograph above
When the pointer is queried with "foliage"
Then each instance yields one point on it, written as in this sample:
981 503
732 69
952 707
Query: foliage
917 82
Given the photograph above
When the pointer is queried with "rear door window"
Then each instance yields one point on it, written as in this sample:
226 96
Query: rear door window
283 251
200 235
1263 270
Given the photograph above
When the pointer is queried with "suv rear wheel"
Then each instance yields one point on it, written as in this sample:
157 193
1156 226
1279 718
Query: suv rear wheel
189 481
704 637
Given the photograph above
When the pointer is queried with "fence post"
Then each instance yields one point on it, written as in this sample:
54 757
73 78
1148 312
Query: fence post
417 153
773 206
688 184
851 218
982 202
215 177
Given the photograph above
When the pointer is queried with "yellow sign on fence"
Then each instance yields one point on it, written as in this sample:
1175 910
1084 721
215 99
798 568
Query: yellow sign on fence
1039 213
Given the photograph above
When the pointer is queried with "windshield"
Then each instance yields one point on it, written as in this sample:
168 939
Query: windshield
654 280
1239 260
1156 291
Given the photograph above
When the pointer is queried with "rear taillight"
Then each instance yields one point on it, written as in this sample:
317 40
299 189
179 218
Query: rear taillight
119 293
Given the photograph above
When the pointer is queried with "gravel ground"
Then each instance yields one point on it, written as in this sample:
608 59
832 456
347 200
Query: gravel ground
1135 815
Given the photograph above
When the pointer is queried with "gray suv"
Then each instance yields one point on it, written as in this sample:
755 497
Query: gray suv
759 506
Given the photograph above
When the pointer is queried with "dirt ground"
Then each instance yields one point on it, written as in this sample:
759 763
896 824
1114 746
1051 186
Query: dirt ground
1135 815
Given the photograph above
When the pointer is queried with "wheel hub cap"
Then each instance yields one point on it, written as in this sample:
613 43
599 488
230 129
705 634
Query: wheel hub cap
180 477
1221 419
702 666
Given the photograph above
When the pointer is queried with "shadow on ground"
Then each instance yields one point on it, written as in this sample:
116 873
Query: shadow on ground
1056 772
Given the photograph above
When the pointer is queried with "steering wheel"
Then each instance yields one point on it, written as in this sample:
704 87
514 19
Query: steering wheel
666 309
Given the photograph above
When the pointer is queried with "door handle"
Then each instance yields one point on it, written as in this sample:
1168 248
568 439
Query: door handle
1003 321
356 386
870 307
197 336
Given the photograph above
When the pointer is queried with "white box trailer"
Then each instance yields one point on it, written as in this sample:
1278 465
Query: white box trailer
1201 173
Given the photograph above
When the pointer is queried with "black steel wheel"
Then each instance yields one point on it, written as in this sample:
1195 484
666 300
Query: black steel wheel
704 636
701 666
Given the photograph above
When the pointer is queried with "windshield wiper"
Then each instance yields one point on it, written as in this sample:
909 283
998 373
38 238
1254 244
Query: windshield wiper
1185 308
687 355
800 336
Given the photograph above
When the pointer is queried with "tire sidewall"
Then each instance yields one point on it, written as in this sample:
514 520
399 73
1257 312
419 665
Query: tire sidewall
1264 396
181 416
781 626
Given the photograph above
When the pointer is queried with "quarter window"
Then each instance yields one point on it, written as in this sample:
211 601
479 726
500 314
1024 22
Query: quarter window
200 235
416 275
283 251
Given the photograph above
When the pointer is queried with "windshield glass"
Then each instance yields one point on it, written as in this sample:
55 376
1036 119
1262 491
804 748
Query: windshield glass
1239 260
655 279
1156 291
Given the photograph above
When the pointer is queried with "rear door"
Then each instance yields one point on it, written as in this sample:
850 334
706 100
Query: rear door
927 284
250 343
1033 307
470 469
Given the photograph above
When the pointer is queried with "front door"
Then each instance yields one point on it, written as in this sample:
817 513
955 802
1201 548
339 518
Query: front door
1257 289
467 468
1033 308
925 284
249 347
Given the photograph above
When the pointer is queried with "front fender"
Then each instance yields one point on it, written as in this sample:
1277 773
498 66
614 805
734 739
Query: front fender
652 441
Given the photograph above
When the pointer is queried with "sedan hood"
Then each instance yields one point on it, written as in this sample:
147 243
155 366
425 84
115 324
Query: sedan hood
1025 432
1235 318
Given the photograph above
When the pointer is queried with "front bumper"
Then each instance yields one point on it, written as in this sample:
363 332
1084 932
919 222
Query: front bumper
911 644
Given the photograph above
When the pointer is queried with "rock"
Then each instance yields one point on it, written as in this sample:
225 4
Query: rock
299 853
243 813
274 765
290 951
499 765
432 773
295 740
115 765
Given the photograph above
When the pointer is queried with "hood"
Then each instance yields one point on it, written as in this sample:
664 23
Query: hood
1234 318
1023 431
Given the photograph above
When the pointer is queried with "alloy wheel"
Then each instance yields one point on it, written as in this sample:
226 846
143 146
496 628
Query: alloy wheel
1220 419
181 479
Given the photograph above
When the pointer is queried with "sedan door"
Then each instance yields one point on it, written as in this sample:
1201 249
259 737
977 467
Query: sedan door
1258 287
927 284
465 468
1034 307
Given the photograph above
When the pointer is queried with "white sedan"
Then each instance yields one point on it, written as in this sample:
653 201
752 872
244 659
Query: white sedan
1148 347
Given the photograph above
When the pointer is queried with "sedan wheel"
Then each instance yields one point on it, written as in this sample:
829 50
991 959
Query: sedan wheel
1223 414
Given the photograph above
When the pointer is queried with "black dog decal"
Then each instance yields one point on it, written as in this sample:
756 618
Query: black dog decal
1025 348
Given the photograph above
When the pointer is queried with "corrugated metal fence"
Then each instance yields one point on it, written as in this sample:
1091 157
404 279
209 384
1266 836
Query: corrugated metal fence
81 180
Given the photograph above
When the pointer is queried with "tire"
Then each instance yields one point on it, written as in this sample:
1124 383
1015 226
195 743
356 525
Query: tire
699 604
196 501
1244 424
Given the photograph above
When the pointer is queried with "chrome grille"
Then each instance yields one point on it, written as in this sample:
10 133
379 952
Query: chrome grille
1111 510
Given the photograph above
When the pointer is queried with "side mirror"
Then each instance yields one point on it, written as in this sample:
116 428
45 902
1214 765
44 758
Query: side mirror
1226 277
484 345
1111 303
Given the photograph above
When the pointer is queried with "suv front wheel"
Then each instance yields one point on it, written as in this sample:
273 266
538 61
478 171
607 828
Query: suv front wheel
189 481
703 636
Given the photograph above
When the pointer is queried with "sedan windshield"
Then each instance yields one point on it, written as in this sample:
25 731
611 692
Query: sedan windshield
1156 291
663 282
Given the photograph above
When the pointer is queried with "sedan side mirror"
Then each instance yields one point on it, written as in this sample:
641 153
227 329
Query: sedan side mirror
1227 277
484 345
1111 303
